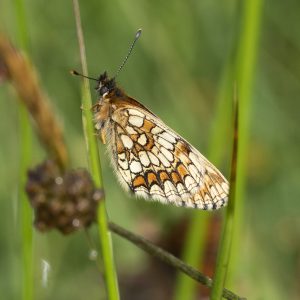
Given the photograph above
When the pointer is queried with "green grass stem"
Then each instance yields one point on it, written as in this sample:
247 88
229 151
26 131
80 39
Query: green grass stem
25 158
20 13
26 211
225 244
95 167
244 72
245 68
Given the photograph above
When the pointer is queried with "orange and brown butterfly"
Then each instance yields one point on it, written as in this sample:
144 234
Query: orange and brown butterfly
150 159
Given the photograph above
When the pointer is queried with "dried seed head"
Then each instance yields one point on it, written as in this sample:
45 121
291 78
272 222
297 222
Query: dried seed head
67 201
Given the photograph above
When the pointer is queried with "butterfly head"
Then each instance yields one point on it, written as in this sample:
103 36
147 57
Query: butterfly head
105 85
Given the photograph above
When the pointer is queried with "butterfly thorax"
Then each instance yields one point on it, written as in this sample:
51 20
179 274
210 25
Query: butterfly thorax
110 98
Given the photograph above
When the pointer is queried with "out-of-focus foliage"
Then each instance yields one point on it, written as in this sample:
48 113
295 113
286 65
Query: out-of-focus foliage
175 70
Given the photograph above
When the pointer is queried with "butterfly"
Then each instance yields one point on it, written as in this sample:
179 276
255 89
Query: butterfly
150 159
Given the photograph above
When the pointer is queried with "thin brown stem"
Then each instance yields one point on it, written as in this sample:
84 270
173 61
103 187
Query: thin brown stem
167 258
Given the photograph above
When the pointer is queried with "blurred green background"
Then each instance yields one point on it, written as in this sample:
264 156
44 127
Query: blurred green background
176 71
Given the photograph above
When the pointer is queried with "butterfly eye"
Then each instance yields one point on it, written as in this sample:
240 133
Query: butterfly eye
103 90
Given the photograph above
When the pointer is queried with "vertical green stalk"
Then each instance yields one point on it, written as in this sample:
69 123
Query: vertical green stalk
25 158
26 211
245 68
95 167
225 245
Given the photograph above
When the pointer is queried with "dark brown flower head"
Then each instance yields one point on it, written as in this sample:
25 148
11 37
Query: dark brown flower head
67 201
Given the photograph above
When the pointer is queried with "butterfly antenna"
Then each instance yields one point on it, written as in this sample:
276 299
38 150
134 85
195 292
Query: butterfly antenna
137 35
73 72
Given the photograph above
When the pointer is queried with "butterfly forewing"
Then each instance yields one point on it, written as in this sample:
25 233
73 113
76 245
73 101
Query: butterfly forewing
153 161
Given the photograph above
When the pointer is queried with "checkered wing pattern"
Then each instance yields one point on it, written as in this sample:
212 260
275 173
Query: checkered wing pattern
156 163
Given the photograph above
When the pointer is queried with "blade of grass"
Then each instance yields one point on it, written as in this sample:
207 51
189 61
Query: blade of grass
95 167
225 245
245 67
25 158
26 211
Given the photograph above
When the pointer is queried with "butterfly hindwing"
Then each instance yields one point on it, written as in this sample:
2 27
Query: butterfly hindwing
156 163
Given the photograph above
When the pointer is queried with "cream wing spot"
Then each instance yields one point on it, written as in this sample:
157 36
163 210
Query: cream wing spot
159 198
213 192
191 184
209 206
163 160
136 121
207 198
135 166
210 170
127 142
225 187
194 172
154 160
135 112
218 204
168 137
141 192
156 191
126 175
123 163
198 200
182 191
190 202
170 190
218 188
130 130
156 130
142 140
144 158
165 143
196 161
161 157
224 197
167 154
122 155
175 199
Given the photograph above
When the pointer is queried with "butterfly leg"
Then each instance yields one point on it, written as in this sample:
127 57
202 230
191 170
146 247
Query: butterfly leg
102 137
